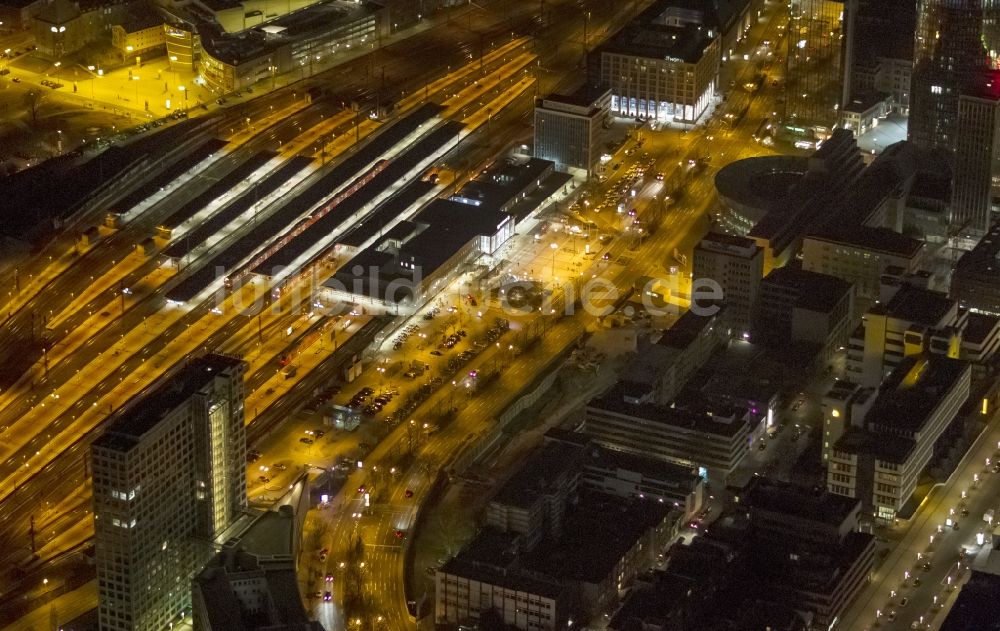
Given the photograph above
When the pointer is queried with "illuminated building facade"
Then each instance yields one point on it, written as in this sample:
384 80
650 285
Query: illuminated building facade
949 57
664 65
814 63
169 476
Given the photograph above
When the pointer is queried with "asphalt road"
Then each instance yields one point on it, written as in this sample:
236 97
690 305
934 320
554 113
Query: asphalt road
43 493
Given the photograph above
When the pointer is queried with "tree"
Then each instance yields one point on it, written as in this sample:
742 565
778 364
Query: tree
32 102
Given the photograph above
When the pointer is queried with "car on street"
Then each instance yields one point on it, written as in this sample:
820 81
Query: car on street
408 493
305 440
327 596
399 534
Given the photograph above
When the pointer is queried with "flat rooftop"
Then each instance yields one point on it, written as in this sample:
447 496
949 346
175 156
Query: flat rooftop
814 291
427 240
977 607
489 558
685 330
235 48
979 327
913 392
539 474
919 306
270 535
983 260
142 414
603 526
649 36
885 447
726 421
587 96
683 478
503 180
880 240
790 499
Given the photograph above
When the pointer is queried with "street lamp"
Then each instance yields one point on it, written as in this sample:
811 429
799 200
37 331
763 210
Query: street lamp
183 90
554 246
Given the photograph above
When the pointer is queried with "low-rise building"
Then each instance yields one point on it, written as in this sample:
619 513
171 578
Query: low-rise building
245 42
572 495
251 584
141 34
533 502
864 111
975 282
628 475
908 320
665 362
860 255
879 458
806 545
783 557
484 577
712 441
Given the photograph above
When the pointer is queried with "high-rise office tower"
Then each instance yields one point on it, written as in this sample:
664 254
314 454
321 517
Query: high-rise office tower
949 57
878 51
169 476
814 72
977 158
